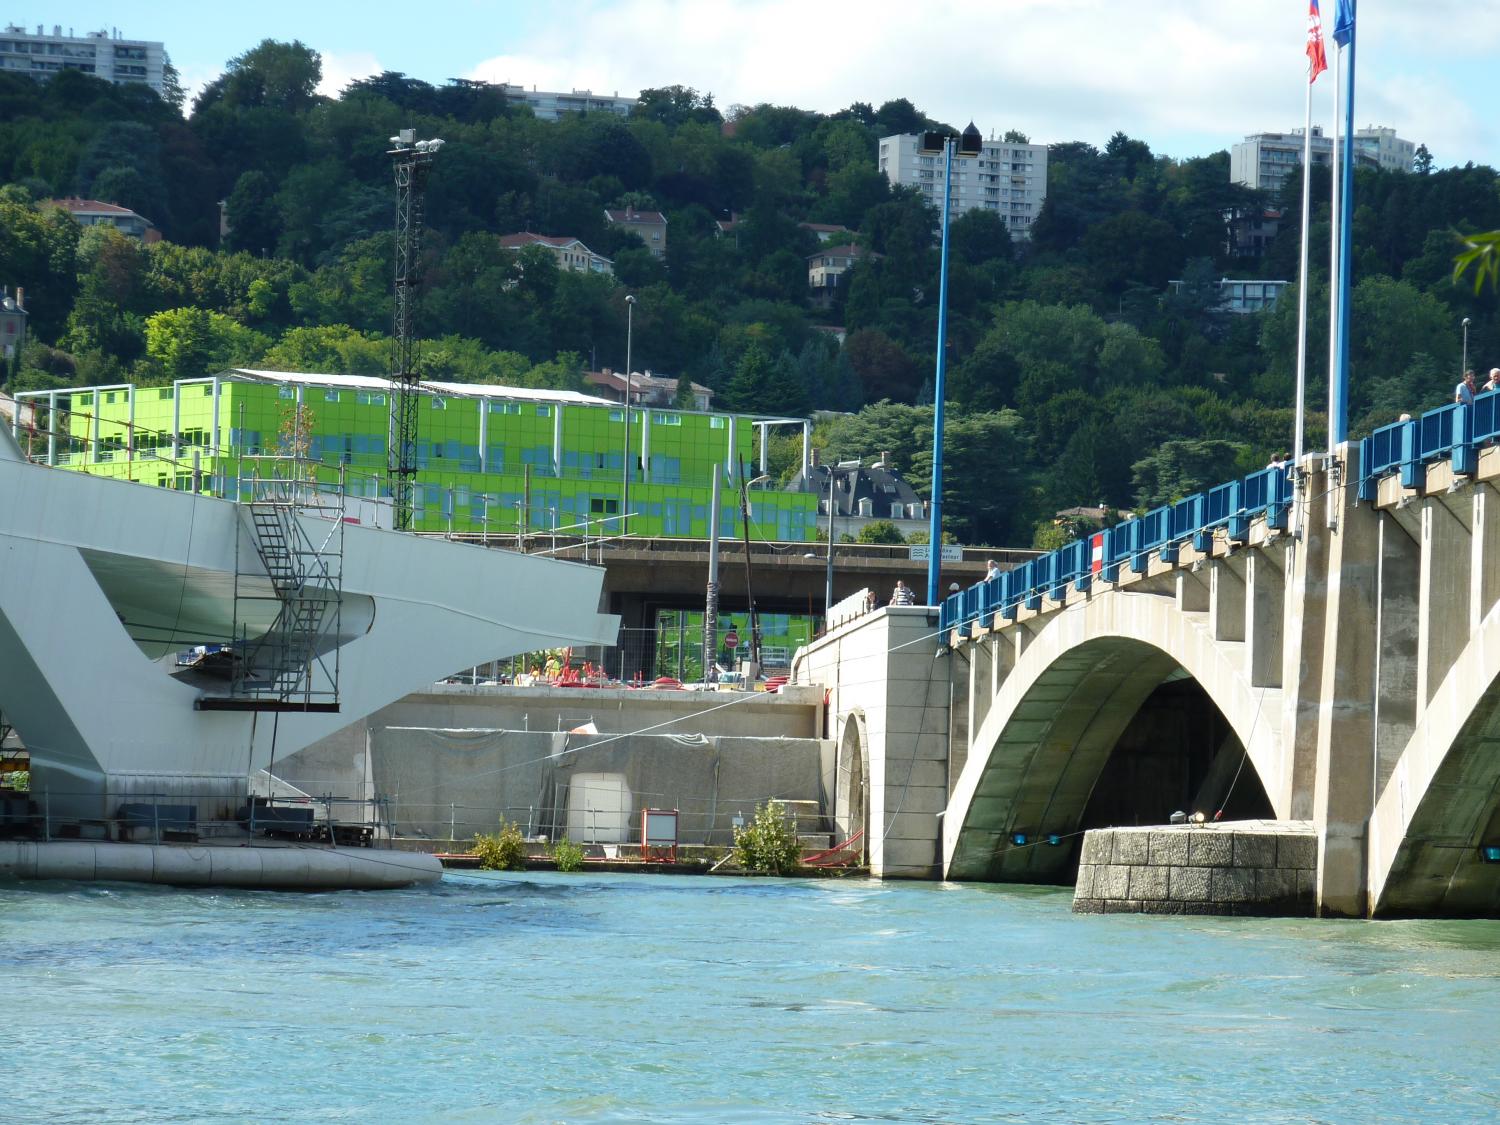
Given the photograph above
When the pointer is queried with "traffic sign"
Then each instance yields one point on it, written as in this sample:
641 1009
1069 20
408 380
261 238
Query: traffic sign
731 639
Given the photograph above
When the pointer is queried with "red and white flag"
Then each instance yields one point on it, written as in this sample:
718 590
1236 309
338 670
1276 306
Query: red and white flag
1317 59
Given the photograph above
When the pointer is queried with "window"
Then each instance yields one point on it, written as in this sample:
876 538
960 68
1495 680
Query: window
544 411
717 422
603 506
285 391
659 419
617 415
370 398
504 407
439 403
208 390
330 396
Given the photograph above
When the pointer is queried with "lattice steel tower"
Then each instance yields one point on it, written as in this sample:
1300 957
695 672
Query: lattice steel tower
412 160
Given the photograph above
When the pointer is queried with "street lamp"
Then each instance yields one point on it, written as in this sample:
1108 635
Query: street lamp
1465 366
625 465
745 486
970 144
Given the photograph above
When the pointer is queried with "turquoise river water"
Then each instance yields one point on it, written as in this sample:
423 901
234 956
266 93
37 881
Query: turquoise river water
591 998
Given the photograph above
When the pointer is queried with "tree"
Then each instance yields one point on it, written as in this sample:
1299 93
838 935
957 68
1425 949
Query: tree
273 74
191 343
1181 468
1422 164
253 217
880 531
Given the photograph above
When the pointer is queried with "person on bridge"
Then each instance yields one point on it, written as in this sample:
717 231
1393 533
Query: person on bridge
1494 381
902 594
1464 392
991 570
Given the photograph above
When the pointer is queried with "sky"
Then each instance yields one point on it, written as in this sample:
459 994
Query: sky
1188 78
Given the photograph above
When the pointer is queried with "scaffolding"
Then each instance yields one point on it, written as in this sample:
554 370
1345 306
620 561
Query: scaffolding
296 533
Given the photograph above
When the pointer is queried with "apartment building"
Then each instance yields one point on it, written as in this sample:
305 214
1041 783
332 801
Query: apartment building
1265 160
549 105
571 253
1007 178
104 54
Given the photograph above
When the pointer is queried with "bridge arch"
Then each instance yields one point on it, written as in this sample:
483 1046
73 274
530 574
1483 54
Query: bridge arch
1442 797
1059 713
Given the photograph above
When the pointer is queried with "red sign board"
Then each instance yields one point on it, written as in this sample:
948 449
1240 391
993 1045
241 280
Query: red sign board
731 639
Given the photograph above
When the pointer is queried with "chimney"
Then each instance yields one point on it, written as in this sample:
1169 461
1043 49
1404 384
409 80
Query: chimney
20 298
885 458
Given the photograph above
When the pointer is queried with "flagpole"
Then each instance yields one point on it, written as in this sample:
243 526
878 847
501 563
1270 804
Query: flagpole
1333 262
1338 423
1302 284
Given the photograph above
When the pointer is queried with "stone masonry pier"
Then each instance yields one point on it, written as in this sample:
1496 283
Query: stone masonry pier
1265 867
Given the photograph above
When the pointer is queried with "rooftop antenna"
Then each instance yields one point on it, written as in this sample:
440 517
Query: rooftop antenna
412 160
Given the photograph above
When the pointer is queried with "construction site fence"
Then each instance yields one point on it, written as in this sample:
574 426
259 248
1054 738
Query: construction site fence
707 821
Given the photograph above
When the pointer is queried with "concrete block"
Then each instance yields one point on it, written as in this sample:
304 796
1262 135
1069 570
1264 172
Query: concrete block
1214 909
1131 847
1097 847
1188 884
1307 884
1084 886
1112 882
1148 882
1231 884
1088 906
1210 849
1162 906
1168 849
1122 906
1254 849
1275 885
1297 851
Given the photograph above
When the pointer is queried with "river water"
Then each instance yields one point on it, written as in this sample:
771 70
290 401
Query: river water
592 998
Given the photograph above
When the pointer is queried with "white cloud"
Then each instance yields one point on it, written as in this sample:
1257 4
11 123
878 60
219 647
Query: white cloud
1187 77
340 69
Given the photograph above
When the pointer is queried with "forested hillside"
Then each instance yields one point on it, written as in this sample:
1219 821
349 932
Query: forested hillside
1076 376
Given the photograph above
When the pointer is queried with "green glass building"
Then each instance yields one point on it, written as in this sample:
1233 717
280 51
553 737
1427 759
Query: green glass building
489 459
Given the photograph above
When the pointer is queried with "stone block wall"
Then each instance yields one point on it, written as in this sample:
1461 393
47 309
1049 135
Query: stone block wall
1250 867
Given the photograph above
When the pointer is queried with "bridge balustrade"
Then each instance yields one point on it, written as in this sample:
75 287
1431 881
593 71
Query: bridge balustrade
1161 531
1454 432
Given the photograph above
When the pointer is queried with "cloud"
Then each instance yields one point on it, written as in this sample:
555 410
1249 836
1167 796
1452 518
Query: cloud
342 68
1187 77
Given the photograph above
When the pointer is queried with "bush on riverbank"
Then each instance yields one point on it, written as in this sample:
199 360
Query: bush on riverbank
501 851
567 855
768 844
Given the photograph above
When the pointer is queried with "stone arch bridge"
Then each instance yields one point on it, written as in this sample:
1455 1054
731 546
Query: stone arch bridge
1327 653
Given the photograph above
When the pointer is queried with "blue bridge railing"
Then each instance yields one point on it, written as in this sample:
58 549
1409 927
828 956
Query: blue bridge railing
1129 546
1455 433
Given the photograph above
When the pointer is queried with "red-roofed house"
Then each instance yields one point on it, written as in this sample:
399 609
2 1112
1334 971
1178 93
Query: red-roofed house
571 253
94 213
650 226
646 389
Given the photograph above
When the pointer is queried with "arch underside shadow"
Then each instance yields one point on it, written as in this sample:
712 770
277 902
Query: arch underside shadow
851 791
1454 803
1040 772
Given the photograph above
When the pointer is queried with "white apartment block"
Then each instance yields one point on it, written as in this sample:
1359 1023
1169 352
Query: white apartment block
104 54
549 105
1008 179
571 253
1265 160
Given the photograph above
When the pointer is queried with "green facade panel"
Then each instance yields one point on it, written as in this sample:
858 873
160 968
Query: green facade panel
483 463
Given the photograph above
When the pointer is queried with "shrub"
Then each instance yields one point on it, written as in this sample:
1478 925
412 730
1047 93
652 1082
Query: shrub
769 842
501 851
19 780
567 855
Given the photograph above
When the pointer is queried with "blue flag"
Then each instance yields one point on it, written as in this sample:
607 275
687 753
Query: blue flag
1343 23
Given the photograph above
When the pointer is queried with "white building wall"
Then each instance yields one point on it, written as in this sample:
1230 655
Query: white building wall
1007 179
99 53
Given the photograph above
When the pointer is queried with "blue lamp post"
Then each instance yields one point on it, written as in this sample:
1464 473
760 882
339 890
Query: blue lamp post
970 144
